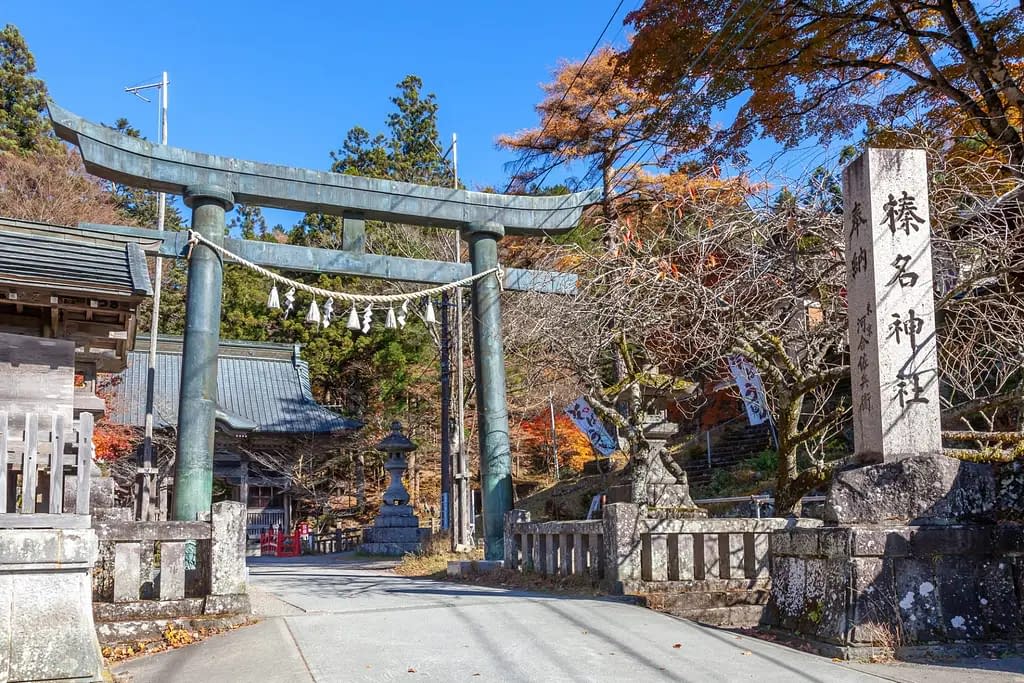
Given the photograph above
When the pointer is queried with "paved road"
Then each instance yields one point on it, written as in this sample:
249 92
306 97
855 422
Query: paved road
326 620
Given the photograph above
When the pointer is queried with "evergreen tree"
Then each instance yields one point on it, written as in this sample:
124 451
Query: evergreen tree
378 372
23 128
410 152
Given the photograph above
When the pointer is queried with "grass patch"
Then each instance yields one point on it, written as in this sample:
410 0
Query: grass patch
432 561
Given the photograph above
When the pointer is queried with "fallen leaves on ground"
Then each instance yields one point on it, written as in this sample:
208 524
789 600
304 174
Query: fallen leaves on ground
172 637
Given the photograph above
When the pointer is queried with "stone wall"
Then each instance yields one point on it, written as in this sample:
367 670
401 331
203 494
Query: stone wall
858 586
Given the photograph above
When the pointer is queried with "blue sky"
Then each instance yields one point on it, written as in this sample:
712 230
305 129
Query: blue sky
283 82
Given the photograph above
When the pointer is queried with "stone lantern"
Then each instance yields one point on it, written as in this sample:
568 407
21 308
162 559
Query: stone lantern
396 530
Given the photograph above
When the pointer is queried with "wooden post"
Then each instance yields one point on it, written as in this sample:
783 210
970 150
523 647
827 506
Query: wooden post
83 462
57 465
28 464
3 462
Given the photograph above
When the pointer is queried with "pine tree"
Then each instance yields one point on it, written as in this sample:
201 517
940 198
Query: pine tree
23 128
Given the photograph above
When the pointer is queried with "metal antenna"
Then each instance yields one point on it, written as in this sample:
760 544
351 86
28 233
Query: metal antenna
147 471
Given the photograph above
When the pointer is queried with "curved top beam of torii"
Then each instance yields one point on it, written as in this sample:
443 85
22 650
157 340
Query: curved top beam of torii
123 159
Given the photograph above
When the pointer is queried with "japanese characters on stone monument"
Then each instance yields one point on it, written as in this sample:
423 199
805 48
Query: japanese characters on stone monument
893 364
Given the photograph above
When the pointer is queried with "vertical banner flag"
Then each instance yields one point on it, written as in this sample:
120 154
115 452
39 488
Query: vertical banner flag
582 415
748 380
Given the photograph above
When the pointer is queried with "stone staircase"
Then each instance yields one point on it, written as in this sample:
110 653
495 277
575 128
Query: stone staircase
730 446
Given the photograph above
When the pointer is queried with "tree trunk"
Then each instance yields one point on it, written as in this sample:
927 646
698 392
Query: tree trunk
785 503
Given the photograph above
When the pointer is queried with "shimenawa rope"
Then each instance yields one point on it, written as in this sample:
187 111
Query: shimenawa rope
195 238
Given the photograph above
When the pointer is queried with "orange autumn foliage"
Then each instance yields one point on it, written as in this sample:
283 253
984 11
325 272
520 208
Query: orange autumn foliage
574 449
818 71
110 440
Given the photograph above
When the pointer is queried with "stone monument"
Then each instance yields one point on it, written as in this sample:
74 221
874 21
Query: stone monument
908 556
893 361
396 530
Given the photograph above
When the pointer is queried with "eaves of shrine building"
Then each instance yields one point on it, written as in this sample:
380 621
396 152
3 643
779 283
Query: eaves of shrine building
57 283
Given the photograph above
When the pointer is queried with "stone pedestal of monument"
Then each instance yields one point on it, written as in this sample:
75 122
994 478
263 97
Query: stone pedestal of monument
396 531
855 588
913 561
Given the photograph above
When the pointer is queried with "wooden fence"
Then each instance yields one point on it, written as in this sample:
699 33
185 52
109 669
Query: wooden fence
258 523
40 453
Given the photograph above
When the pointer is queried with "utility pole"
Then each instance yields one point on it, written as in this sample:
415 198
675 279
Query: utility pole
147 469
462 517
446 414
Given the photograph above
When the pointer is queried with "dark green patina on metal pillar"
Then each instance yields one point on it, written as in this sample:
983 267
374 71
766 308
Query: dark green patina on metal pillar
197 407
492 406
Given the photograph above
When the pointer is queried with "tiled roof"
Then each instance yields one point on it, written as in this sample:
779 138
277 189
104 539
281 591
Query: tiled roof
26 256
263 383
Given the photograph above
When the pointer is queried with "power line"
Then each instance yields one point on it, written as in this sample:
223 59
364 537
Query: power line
542 175
565 94
629 164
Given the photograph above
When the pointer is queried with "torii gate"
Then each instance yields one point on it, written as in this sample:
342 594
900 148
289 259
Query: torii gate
211 185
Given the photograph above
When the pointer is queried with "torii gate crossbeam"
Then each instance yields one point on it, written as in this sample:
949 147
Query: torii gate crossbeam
210 185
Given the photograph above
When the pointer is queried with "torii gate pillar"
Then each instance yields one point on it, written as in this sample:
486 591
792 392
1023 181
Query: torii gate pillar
492 405
197 403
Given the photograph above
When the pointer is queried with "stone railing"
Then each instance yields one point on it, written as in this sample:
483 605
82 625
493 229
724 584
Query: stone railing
554 547
634 553
337 541
150 574
705 549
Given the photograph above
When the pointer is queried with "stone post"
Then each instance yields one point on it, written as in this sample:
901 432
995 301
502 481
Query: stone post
47 630
622 549
894 368
492 408
513 517
227 551
193 470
